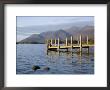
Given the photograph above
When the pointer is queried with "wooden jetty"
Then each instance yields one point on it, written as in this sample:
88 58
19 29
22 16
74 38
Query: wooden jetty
57 46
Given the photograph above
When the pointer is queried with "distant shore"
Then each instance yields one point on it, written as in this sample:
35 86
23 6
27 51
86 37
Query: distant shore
29 43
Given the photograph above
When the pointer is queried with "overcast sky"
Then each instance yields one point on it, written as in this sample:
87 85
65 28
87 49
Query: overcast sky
27 25
23 21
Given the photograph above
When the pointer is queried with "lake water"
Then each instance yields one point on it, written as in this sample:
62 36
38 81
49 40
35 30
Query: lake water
29 55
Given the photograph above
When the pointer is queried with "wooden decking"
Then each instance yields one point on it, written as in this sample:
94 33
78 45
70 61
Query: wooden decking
58 46
73 46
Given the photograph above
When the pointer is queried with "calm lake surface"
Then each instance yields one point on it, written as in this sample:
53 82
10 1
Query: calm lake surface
29 55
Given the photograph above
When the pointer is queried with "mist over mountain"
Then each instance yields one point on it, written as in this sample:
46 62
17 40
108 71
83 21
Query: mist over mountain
84 31
61 34
74 31
44 28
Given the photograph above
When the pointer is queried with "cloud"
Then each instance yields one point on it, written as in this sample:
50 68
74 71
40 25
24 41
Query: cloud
23 21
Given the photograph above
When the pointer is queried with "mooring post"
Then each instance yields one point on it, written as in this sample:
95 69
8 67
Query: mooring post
87 44
71 40
66 41
78 40
55 41
80 43
51 41
71 43
87 40
47 41
58 43
47 44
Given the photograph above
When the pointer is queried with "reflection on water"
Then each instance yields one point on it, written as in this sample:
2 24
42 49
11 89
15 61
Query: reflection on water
58 62
69 56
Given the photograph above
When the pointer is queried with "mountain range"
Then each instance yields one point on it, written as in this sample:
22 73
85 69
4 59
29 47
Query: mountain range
74 31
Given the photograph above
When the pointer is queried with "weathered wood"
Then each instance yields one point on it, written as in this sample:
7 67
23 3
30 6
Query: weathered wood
66 42
71 40
55 41
78 40
87 40
51 41
67 46
71 43
58 43
47 41
80 43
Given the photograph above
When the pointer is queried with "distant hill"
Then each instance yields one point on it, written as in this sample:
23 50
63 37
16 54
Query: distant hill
34 38
62 34
84 31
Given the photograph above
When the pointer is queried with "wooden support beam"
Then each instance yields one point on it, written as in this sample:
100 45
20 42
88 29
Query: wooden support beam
66 41
71 40
67 47
87 40
58 43
51 41
71 43
78 40
47 41
80 43
55 41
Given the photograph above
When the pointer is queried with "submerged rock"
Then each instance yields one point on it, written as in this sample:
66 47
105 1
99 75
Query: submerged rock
35 67
46 68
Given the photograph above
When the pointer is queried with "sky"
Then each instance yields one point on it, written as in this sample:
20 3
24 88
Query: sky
27 25
23 21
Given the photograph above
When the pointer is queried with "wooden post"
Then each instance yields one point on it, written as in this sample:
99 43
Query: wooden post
87 40
71 43
71 40
66 41
78 40
58 43
47 41
55 41
51 41
47 44
80 43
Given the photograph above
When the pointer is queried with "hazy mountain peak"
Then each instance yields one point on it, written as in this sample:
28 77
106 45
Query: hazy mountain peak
62 34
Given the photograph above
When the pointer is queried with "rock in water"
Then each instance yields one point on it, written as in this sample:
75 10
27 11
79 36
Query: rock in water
35 67
46 68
